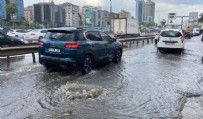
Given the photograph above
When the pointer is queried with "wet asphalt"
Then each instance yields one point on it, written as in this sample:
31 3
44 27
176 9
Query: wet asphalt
145 85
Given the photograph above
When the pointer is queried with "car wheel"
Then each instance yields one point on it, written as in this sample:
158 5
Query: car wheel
87 64
161 51
47 66
181 51
118 56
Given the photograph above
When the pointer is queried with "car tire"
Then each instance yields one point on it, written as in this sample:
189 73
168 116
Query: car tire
161 51
48 66
87 64
118 56
181 51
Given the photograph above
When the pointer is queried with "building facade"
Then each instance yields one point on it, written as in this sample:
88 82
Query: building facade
150 11
2 9
124 14
95 16
28 14
48 14
140 10
72 16
89 17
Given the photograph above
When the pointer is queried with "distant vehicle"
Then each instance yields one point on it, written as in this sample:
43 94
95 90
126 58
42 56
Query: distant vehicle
78 48
35 35
196 31
188 35
125 28
157 36
171 39
6 41
17 33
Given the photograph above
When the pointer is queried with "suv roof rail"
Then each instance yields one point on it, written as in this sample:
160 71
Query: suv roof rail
88 28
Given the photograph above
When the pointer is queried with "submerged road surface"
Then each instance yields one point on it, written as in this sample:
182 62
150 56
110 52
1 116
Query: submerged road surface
145 85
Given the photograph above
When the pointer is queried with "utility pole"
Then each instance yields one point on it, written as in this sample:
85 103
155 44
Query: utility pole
52 12
110 15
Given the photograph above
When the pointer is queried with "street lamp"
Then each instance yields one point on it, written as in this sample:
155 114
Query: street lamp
110 14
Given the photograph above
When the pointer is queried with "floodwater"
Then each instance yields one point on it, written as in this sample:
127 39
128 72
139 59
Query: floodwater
145 85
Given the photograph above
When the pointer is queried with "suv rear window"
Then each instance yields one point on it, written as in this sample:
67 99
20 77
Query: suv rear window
60 35
171 34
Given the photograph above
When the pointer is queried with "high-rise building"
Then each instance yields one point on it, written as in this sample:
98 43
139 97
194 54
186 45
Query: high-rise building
48 13
89 15
28 14
124 14
95 16
140 10
150 11
98 18
106 18
2 9
72 17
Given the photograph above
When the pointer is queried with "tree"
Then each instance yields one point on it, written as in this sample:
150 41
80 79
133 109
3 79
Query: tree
11 9
148 24
201 18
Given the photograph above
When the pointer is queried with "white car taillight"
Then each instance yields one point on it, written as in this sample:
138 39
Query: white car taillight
182 39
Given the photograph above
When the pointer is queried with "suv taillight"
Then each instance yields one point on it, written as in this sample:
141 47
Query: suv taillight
41 42
73 45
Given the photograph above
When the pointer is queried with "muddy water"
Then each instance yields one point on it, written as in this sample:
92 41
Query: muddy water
146 84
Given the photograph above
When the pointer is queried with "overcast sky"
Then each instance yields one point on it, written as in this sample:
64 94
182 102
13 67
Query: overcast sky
163 7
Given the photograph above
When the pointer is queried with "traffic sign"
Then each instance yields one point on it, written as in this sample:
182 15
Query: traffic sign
172 15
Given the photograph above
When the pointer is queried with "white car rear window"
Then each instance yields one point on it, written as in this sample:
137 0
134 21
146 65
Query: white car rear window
171 34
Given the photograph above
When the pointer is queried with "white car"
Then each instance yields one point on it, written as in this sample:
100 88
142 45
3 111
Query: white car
171 39
196 32
35 35
20 33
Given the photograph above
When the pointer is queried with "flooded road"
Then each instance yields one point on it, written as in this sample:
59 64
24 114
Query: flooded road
145 85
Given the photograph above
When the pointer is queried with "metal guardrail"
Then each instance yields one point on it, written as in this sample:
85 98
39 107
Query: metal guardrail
138 39
33 48
20 50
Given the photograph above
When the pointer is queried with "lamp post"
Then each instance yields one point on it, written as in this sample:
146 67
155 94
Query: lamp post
110 15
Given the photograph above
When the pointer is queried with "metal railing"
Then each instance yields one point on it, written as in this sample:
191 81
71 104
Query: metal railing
20 50
131 41
33 48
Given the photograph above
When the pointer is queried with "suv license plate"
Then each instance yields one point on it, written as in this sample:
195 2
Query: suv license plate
54 50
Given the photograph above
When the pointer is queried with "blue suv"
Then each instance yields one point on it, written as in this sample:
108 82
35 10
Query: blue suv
78 48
